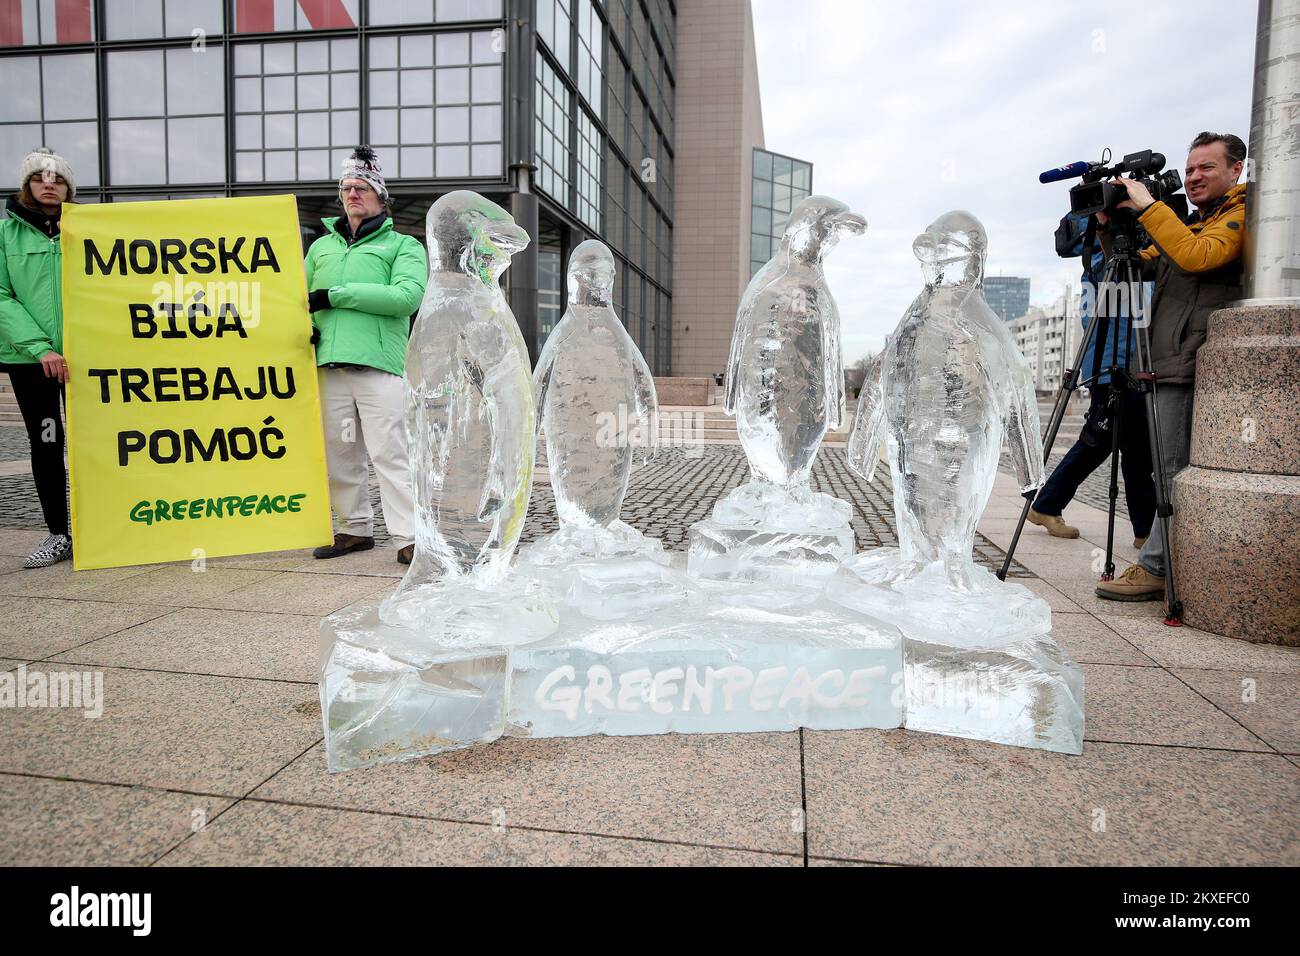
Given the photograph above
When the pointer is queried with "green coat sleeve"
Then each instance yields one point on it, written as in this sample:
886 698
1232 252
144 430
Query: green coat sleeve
17 327
400 296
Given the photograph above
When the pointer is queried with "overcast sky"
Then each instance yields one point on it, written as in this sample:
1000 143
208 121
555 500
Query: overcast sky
907 110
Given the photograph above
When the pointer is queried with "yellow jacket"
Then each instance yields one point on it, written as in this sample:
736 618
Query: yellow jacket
1207 243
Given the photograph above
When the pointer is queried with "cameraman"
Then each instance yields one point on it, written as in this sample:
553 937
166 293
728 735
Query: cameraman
1197 269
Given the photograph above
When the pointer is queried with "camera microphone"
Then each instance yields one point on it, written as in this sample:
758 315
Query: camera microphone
1064 172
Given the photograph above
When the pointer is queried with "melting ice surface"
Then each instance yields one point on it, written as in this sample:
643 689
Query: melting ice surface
948 387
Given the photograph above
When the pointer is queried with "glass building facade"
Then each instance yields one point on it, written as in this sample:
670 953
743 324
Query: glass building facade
1008 296
559 110
780 182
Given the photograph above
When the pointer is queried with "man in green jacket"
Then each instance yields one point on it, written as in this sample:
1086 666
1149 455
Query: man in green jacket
31 333
365 280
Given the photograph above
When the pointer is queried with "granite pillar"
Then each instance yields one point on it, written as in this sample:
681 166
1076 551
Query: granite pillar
1236 514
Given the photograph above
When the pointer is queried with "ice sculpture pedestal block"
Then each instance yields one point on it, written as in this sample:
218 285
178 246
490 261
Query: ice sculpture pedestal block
760 533
721 662
388 694
979 663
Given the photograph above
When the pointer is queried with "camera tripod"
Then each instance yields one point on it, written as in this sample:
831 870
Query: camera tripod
1123 270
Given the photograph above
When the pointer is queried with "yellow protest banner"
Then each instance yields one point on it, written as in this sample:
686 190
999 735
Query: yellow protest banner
193 416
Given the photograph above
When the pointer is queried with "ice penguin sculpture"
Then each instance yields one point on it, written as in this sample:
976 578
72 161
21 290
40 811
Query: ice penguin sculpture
785 385
948 387
950 383
596 402
469 417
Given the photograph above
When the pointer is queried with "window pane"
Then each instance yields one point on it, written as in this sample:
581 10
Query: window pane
248 94
344 92
248 132
277 58
78 143
133 19
487 84
453 49
196 150
129 92
314 164
383 126
486 160
345 126
313 129
453 125
22 89
417 87
186 16
383 89
136 151
279 130
248 59
487 46
16 142
383 52
313 56
280 167
453 160
417 51
401 11
417 161
69 87
194 81
486 122
417 126
313 92
248 167
279 92
343 55
453 86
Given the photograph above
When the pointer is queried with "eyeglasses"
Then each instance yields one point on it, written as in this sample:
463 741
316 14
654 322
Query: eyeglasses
359 188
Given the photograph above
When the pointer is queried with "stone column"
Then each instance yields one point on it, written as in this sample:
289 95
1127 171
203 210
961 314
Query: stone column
1236 521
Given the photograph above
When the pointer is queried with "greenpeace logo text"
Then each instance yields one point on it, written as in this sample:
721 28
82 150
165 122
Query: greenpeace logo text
103 909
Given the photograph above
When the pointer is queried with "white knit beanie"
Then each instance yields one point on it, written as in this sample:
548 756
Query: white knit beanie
46 160
364 164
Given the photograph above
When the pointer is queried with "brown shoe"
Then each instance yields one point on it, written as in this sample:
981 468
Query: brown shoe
1138 542
1135 584
344 544
404 555
1054 525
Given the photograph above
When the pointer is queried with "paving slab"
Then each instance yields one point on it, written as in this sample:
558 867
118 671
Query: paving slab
33 628
902 797
207 641
217 735
60 581
381 561
292 592
266 561
1188 647
172 585
21 541
1148 705
733 790
1266 703
46 822
1088 641
273 834
1055 597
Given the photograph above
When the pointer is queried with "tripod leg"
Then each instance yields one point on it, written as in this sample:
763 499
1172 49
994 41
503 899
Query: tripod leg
1116 423
1069 383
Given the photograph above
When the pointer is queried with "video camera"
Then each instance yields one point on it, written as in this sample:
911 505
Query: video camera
1096 195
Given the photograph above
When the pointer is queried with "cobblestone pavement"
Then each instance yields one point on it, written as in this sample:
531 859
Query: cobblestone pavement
664 498
13 443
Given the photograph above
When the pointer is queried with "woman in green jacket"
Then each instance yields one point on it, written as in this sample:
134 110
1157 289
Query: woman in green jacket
365 281
31 333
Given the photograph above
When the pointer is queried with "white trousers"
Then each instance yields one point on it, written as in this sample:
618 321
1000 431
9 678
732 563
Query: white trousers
363 413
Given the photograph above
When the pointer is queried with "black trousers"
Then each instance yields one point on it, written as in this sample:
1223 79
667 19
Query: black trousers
38 400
